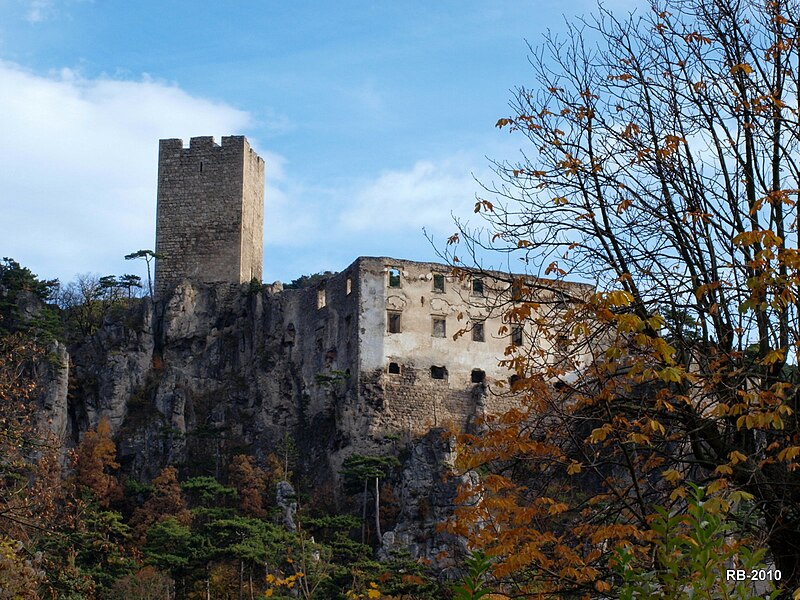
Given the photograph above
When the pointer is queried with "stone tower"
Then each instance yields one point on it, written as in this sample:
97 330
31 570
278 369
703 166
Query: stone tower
210 216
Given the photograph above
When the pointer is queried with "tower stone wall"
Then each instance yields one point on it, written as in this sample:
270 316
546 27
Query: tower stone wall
210 216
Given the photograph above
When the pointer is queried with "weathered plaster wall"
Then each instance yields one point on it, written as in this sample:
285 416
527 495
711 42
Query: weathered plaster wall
412 399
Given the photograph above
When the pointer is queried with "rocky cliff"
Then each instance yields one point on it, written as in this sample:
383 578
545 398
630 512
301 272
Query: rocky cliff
207 373
221 369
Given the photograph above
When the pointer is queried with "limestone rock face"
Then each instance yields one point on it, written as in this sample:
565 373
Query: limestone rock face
53 378
206 373
219 369
286 499
426 495
108 371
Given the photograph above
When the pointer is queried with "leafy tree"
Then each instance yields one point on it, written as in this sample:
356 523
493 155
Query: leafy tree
18 312
95 460
305 570
250 481
207 491
108 287
169 544
148 256
307 281
19 577
166 501
357 469
252 544
398 577
663 167
146 584
130 283
16 278
472 586
29 457
85 548
693 552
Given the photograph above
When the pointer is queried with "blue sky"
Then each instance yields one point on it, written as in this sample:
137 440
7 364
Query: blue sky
373 118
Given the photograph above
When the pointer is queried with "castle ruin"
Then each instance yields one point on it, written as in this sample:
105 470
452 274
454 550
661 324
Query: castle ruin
210 215
417 344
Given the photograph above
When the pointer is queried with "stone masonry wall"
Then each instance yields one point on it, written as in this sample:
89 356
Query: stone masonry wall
209 223
396 367
252 238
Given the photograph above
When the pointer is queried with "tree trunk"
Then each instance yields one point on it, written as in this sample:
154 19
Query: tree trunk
241 579
149 281
364 513
377 512
785 549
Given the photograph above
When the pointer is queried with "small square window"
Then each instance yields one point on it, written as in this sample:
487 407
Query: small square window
321 299
394 368
439 327
394 277
516 335
477 287
438 282
393 321
478 376
478 334
438 372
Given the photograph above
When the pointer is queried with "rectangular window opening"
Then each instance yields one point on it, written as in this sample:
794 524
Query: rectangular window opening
349 286
394 277
478 332
516 335
393 322
478 376
438 372
438 282
439 327
321 298
477 287
394 368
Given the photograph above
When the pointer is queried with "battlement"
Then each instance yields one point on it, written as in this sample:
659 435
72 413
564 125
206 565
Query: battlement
206 143
210 215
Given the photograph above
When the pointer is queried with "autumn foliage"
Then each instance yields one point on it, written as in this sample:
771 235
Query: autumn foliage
95 463
663 168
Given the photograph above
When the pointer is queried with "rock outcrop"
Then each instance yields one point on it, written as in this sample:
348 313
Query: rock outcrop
221 369
426 494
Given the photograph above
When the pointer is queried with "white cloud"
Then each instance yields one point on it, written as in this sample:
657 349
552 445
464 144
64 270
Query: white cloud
423 196
78 169
288 222
38 10
79 163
